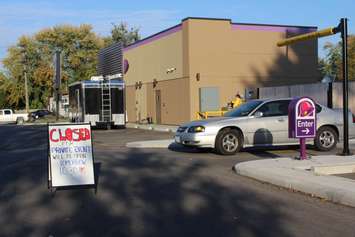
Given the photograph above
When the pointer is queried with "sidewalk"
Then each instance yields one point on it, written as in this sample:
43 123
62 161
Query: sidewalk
151 144
155 127
167 142
309 176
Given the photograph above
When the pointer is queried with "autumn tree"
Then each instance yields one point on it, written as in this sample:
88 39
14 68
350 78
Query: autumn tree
34 54
3 100
79 47
332 63
122 33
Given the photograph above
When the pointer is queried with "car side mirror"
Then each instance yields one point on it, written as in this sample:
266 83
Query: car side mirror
258 114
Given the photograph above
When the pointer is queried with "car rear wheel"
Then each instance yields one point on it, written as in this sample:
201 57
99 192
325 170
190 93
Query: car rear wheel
326 138
228 142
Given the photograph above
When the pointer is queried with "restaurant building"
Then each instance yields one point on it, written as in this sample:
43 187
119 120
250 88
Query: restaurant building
202 63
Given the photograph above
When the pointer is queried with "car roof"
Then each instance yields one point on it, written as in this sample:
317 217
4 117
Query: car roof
286 98
273 99
270 99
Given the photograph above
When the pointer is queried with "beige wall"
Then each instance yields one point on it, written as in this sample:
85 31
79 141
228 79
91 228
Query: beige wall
150 61
233 60
228 58
131 103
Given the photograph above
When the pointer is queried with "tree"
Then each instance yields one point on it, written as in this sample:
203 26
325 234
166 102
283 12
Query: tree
15 64
79 47
332 63
121 33
3 101
351 52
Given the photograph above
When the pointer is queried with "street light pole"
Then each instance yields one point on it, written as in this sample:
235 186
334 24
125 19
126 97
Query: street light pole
24 62
57 77
344 36
26 93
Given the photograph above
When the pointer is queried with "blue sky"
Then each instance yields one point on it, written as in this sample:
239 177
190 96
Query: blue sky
18 17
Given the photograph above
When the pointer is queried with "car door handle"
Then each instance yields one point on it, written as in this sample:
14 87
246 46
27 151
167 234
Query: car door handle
280 119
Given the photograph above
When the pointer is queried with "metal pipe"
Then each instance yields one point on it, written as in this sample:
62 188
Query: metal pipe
308 36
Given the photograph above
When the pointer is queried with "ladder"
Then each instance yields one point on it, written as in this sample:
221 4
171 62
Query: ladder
105 101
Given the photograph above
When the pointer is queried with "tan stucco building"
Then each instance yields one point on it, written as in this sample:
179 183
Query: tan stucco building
172 73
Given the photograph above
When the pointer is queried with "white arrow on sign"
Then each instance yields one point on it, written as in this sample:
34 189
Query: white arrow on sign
306 130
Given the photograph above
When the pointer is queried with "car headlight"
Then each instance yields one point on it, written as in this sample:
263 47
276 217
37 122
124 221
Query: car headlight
196 129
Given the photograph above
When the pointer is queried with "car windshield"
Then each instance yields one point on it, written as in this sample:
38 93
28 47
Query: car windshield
244 109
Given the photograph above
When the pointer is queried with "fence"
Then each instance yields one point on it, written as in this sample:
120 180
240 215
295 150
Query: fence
317 91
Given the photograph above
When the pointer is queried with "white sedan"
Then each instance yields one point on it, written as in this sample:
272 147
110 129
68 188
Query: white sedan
260 123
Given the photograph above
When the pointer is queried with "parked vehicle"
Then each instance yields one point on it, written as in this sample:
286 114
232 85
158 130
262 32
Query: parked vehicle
99 102
8 116
39 113
260 123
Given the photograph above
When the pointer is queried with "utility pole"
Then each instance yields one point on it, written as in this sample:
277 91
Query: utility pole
26 82
57 77
26 94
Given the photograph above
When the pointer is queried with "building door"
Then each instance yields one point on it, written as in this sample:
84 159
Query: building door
158 106
209 99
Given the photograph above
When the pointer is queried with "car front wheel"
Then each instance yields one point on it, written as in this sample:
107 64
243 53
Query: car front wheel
228 142
326 139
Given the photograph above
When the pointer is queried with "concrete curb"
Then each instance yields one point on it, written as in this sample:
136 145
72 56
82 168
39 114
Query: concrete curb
300 178
159 128
153 127
32 124
151 144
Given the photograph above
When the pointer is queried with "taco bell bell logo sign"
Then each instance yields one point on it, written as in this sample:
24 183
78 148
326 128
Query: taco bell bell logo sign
302 118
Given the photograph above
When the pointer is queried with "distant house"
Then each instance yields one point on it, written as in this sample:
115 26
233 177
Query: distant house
63 105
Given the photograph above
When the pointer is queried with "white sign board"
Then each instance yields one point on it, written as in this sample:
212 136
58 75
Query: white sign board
71 160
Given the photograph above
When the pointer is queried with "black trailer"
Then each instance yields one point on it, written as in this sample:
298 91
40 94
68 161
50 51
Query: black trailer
98 102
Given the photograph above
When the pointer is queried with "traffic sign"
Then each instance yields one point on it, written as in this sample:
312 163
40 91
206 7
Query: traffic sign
343 29
302 118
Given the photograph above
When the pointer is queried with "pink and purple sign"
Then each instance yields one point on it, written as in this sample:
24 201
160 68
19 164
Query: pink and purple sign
302 118
302 122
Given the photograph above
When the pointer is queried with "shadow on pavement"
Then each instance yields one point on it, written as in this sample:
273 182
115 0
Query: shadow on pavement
257 152
140 194
180 148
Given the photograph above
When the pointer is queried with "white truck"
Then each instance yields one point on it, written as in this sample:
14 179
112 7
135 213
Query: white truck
8 116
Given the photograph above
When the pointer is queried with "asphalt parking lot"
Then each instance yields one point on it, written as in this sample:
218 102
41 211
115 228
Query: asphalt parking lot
154 192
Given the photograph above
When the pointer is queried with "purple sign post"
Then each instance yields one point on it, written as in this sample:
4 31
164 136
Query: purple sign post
302 121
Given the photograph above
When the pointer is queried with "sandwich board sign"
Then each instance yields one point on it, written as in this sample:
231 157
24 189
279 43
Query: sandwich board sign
302 121
70 155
